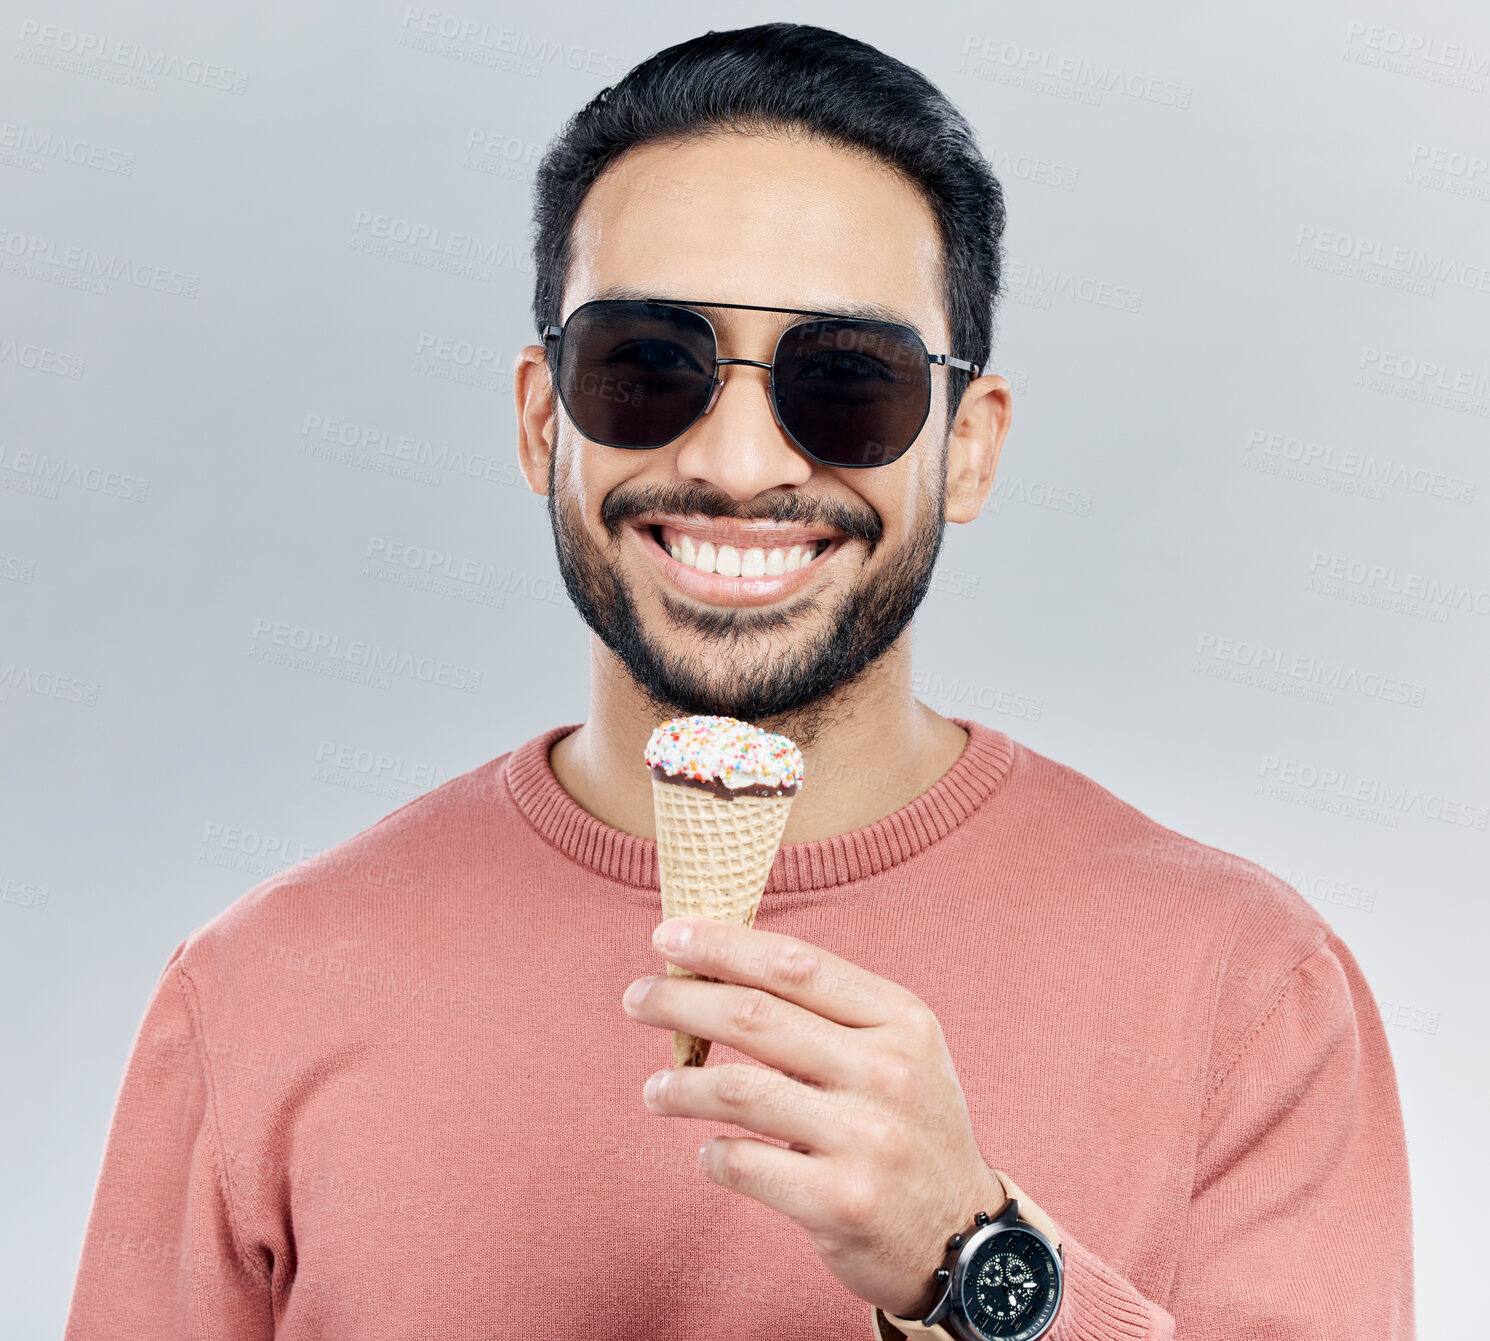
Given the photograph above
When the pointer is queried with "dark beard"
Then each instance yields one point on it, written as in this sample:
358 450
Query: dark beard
795 691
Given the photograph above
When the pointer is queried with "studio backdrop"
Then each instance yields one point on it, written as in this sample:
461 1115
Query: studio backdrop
269 569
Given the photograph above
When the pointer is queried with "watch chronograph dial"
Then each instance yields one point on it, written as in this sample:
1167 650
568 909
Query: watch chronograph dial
1011 1287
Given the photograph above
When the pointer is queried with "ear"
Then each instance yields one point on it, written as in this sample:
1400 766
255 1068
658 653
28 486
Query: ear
533 394
974 445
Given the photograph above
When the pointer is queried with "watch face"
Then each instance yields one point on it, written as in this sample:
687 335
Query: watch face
1010 1286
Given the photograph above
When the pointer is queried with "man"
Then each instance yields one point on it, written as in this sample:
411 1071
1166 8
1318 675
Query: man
395 1091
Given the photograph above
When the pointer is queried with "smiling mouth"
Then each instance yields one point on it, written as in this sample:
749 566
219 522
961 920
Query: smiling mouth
720 566
737 561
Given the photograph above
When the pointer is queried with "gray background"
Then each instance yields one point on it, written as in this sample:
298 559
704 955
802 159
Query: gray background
1290 206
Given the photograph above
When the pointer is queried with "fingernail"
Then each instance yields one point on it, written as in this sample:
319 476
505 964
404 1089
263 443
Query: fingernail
653 1087
636 992
672 934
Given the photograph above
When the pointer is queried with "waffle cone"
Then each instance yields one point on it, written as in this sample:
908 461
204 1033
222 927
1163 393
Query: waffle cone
713 857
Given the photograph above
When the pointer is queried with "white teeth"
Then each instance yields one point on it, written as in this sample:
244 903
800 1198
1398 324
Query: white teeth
731 561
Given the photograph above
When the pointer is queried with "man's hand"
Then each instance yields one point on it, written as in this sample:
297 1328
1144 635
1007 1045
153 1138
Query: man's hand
880 1164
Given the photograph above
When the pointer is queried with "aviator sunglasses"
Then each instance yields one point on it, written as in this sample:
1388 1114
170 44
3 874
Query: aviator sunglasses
849 391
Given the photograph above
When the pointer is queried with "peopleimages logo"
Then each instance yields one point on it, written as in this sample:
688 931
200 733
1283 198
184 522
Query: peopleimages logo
1430 381
431 237
1076 78
1349 471
361 445
83 267
23 894
46 684
1417 54
233 841
434 248
40 473
107 59
1298 674
1441 168
13 568
1418 46
502 47
1370 259
1034 285
958 693
1033 168
1340 785
1038 494
1380 582
40 358
463 362
378 766
28 143
1327 889
363 662
443 574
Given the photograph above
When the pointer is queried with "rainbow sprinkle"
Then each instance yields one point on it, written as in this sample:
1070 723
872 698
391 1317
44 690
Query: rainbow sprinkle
724 748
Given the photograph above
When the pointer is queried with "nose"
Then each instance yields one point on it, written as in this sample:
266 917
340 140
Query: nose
737 445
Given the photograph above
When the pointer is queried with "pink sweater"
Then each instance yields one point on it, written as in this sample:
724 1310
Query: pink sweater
392 1093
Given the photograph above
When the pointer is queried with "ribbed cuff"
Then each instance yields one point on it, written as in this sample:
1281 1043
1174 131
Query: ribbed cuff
1098 1304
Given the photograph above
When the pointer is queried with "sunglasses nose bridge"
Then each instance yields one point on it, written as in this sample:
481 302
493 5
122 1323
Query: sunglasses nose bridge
719 381
754 363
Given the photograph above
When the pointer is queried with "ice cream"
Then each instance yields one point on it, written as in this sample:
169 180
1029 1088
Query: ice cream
721 790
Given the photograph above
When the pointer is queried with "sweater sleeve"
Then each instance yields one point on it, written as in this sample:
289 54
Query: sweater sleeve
160 1257
1300 1220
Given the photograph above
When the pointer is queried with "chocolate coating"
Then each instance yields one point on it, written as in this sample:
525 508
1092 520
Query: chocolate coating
719 789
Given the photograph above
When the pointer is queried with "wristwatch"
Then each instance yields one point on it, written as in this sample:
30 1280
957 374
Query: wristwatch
1000 1281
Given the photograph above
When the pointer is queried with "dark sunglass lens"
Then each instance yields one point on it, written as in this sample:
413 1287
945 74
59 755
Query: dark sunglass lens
853 393
635 374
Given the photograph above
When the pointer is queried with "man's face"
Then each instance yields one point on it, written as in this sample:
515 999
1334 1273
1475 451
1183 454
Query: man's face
782 222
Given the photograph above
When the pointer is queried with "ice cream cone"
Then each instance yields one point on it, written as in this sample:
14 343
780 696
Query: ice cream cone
713 855
721 790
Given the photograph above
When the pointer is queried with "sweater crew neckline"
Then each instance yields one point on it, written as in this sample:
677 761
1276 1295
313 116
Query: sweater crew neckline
821 864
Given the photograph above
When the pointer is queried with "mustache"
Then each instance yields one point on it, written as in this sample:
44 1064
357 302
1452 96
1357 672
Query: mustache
695 499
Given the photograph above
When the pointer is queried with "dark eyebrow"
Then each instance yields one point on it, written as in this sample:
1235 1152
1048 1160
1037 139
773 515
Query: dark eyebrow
868 311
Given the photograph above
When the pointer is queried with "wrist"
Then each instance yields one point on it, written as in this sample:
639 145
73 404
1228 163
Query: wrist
1028 1211
990 1196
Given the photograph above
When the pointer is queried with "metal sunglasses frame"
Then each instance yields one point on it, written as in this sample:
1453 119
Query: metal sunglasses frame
551 332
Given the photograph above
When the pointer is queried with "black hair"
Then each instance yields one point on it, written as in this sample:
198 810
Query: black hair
790 76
